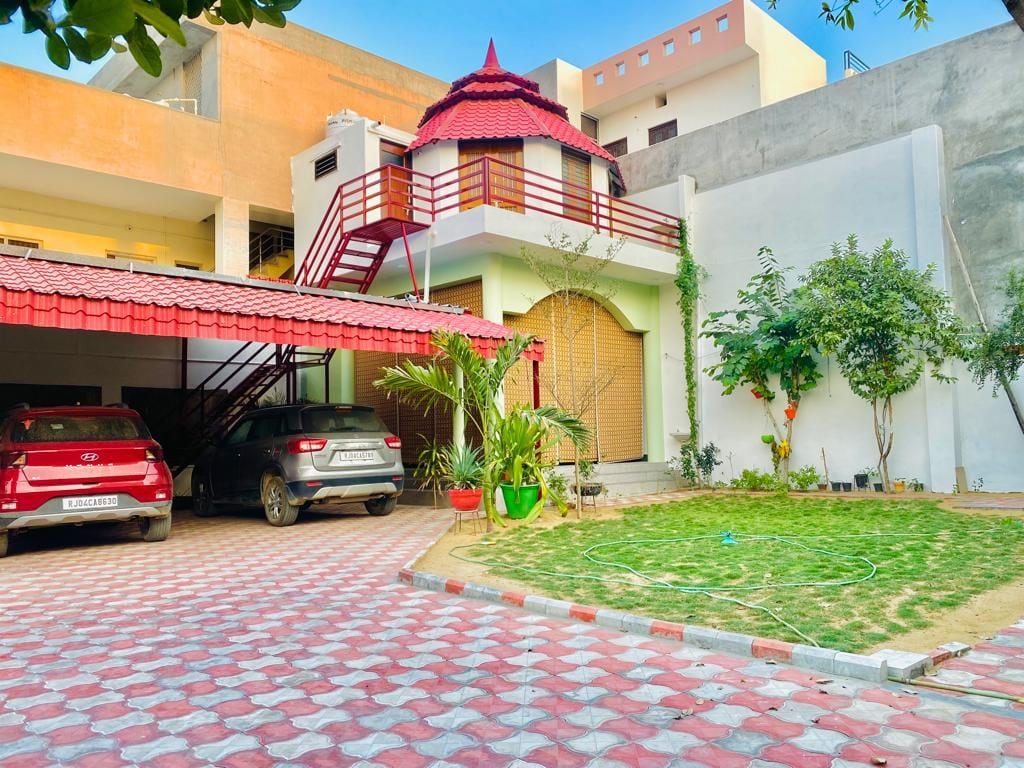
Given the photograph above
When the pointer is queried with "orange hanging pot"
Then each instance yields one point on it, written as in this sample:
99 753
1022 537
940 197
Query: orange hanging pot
791 411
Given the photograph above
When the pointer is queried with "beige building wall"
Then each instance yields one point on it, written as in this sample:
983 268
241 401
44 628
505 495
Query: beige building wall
718 96
93 230
788 65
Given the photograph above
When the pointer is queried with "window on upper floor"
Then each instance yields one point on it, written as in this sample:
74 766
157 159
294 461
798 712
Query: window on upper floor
131 257
599 78
617 148
723 23
645 58
620 68
589 125
695 36
660 133
669 47
325 164
20 242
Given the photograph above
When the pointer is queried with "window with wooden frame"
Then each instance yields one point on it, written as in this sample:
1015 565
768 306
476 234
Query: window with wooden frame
504 186
131 257
589 125
660 133
617 148
20 242
398 204
576 187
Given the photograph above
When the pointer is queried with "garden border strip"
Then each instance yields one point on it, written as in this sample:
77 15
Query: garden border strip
822 660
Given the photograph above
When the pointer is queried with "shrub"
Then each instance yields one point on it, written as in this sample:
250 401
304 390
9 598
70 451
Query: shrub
752 480
804 478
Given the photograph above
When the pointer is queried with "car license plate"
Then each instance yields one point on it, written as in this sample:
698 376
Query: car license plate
354 458
89 502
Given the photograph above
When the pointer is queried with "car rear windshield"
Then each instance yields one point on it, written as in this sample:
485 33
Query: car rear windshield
68 429
340 419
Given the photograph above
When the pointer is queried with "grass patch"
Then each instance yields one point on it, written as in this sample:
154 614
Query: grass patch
918 576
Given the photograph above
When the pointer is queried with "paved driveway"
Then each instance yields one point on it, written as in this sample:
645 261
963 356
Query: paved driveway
237 644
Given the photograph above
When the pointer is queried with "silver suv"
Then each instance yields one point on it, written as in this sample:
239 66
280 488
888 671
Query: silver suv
286 458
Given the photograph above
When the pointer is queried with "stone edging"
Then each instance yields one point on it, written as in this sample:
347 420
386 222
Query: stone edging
821 660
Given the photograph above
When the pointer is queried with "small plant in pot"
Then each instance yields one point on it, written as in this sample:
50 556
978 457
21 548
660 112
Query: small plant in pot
463 473
588 487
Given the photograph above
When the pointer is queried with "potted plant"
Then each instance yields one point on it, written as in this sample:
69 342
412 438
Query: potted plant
463 473
847 487
861 478
837 486
557 486
915 485
588 488
520 440
900 485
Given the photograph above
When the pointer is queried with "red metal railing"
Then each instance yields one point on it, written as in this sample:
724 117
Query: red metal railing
401 194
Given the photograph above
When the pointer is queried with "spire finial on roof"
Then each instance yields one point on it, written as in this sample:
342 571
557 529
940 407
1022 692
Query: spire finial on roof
491 61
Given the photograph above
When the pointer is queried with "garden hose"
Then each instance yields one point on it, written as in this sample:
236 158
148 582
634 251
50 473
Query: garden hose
708 590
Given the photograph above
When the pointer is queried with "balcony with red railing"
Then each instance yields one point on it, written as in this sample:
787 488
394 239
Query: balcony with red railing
369 212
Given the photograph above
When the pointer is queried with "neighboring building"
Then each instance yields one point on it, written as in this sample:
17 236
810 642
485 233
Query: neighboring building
184 170
731 60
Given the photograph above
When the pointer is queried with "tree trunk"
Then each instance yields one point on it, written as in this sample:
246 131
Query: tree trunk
781 462
1016 10
883 438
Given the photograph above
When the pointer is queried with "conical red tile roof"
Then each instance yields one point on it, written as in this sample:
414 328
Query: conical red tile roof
493 103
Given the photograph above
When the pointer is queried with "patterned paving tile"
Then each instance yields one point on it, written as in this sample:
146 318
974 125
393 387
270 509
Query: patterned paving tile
237 644
995 665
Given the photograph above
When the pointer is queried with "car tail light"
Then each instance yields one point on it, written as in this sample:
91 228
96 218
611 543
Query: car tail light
392 441
161 496
8 506
154 454
9 459
307 445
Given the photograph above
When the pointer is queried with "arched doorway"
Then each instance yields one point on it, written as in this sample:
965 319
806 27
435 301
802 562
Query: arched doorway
592 366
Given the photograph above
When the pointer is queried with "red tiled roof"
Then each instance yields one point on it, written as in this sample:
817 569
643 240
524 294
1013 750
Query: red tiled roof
493 103
53 292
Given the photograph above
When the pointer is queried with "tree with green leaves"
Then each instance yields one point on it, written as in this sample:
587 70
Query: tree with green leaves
884 322
479 397
89 29
842 12
763 346
998 355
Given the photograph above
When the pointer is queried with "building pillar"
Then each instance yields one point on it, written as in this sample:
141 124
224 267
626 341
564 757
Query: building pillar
930 206
231 237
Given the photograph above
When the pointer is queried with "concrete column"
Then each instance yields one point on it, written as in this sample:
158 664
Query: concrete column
231 237
930 206
494 301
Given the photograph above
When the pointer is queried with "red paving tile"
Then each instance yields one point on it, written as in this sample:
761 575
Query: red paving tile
234 642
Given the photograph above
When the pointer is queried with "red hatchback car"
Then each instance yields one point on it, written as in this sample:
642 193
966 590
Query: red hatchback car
81 464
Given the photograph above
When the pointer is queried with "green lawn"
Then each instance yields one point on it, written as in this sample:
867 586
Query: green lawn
918 576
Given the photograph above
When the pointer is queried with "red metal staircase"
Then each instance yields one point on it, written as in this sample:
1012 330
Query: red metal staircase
363 220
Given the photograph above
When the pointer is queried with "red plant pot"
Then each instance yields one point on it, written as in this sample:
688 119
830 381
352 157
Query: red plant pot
465 499
757 395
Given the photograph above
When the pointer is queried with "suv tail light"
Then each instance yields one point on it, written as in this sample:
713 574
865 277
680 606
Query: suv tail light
393 441
9 459
154 454
307 445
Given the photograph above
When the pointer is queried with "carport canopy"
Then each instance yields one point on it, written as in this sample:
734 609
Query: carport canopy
52 290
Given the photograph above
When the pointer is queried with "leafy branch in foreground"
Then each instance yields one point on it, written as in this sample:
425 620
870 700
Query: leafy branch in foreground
89 29
999 355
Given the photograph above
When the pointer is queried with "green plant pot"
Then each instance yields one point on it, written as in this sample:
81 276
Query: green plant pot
518 507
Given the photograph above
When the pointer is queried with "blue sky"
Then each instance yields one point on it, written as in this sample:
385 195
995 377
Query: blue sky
447 38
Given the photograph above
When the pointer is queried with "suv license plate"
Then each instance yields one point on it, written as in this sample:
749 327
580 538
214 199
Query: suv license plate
89 502
350 458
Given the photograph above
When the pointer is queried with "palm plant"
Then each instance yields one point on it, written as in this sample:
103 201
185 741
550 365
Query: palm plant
479 397
462 466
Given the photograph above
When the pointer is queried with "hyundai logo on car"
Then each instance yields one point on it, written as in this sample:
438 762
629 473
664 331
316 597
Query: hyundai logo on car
90 457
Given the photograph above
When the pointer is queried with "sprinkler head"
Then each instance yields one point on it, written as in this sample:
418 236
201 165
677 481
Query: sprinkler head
727 538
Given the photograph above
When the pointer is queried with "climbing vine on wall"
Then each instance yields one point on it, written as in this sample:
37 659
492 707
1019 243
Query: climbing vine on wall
688 282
